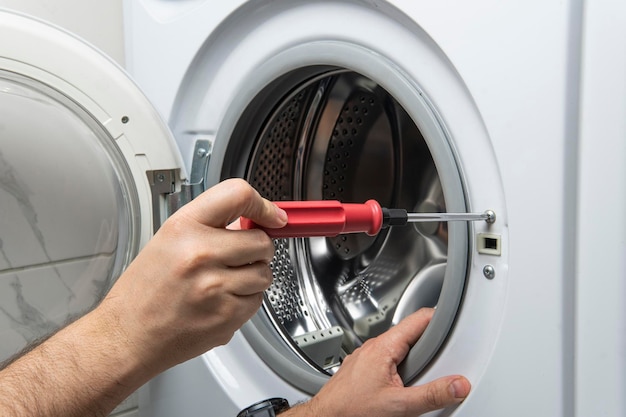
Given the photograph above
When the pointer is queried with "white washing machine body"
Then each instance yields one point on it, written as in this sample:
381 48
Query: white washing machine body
503 82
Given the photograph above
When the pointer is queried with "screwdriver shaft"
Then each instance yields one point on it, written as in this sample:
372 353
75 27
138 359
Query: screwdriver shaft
442 217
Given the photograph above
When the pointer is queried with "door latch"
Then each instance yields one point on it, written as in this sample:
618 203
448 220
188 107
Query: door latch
166 199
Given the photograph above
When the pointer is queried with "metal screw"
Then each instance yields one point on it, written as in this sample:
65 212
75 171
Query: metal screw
491 216
489 272
201 152
160 178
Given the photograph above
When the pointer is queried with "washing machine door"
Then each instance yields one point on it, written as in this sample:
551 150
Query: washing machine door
81 152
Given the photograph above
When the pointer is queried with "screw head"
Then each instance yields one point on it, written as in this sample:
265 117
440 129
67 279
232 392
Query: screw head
491 216
489 272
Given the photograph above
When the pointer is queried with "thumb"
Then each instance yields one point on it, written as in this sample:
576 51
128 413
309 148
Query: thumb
440 393
230 199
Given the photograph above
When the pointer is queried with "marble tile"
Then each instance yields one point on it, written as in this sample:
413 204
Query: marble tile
37 301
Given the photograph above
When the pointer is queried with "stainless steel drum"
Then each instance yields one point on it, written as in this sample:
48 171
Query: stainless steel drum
328 133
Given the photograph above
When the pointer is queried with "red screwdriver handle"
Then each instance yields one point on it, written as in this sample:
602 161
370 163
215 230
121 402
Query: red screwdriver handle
324 218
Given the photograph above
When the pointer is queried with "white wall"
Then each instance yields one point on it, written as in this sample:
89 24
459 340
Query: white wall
99 22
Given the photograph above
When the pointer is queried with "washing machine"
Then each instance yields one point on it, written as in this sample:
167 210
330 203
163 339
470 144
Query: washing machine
426 106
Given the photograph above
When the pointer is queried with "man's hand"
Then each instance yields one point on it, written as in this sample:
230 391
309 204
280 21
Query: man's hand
368 384
197 281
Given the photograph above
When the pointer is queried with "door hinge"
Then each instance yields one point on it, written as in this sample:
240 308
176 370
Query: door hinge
166 199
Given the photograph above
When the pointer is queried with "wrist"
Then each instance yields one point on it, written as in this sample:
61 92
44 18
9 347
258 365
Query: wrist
116 343
101 354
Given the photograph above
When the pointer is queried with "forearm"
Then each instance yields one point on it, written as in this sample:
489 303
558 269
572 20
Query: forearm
85 369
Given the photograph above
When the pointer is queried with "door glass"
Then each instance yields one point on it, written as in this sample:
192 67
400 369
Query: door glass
67 202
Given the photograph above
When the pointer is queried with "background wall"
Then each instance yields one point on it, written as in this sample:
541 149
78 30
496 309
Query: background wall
100 22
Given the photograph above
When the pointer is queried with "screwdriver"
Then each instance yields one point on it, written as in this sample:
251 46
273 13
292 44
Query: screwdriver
329 218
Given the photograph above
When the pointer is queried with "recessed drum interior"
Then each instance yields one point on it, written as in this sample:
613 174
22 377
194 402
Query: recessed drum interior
331 133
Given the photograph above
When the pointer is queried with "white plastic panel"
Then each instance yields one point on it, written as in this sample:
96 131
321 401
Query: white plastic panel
600 331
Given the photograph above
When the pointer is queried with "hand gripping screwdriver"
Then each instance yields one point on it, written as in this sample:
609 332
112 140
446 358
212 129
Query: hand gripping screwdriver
329 218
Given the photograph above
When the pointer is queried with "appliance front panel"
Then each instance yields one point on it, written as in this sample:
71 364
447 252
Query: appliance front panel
477 115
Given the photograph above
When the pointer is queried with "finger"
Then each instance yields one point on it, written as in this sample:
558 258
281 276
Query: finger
241 247
440 393
239 310
249 279
405 334
230 199
248 305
